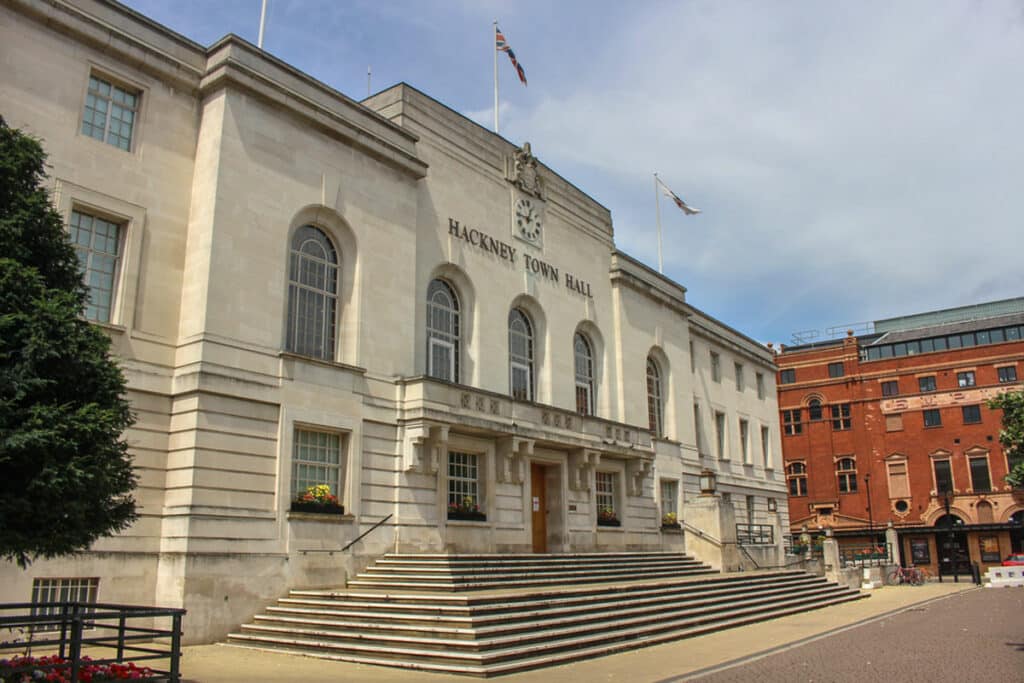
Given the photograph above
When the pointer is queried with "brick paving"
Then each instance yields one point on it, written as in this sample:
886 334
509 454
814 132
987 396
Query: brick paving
972 636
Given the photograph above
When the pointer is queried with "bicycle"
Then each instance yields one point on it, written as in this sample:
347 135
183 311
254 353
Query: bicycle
905 575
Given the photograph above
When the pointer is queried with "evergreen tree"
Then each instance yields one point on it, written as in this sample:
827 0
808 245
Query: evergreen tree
65 475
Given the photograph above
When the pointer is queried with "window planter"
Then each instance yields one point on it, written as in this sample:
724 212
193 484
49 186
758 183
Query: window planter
608 522
318 508
673 526
467 515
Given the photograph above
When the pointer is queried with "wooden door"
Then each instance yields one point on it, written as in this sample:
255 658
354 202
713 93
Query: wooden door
538 504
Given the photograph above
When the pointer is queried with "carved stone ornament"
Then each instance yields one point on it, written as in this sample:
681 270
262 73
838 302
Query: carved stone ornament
523 172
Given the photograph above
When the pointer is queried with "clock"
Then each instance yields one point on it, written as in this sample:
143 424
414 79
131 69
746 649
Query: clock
527 217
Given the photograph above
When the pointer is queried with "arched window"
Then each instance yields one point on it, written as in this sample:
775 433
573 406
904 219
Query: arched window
846 472
520 355
312 294
654 402
584 358
814 408
442 331
796 473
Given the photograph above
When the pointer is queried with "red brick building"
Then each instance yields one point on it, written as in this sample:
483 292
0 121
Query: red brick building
892 427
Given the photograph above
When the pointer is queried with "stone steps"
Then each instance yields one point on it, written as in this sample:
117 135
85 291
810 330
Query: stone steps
491 631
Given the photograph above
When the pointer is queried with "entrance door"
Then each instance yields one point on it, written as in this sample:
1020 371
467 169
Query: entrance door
538 505
953 556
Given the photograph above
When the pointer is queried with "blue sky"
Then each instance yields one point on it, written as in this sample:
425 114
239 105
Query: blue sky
854 161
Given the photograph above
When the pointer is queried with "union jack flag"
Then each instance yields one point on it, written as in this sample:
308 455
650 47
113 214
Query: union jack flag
501 45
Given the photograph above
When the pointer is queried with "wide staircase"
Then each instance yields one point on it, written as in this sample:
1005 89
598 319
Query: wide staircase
487 615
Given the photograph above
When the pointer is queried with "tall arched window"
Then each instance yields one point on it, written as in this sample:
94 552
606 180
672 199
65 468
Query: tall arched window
814 408
520 355
312 294
442 331
654 401
584 358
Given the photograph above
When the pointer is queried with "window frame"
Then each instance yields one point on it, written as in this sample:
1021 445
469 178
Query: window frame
583 377
815 410
125 87
737 369
744 434
759 381
89 273
720 436
947 462
655 400
301 336
796 478
975 414
846 474
606 491
966 379
55 590
715 359
336 482
668 497
792 422
524 363
787 376
1006 374
836 369
449 338
890 387
842 417
458 487
926 384
931 413
983 459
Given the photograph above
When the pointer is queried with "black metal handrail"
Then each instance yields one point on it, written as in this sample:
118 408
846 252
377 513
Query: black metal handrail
64 626
351 543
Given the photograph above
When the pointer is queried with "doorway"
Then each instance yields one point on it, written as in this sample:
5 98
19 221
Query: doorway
539 508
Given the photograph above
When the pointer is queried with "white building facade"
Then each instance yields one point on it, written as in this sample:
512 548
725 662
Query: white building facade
379 296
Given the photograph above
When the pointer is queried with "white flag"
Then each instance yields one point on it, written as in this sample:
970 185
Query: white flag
687 209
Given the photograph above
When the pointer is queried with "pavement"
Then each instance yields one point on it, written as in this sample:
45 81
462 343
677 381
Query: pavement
728 652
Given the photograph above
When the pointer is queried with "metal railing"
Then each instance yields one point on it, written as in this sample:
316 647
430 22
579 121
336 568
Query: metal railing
872 555
755 534
65 628
331 551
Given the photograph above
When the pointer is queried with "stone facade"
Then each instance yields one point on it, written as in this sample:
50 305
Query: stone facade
234 159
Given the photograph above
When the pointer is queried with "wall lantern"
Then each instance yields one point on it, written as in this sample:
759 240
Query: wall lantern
773 505
707 483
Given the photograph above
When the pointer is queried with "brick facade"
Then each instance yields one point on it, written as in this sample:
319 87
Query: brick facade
855 431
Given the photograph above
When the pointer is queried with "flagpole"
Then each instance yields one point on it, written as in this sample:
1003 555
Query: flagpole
263 21
494 48
657 211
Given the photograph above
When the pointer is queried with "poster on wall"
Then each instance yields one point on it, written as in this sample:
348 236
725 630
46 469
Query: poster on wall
919 553
989 548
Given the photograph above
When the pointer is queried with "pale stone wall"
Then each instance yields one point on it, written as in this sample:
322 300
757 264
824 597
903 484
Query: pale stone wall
233 151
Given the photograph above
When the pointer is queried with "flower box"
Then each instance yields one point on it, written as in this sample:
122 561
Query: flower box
674 526
467 515
608 522
319 508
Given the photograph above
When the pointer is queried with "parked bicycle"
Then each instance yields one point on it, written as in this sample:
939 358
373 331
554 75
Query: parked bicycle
906 575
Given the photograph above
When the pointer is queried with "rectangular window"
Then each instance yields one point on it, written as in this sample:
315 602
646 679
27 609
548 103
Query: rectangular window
739 376
765 449
110 112
47 594
316 460
716 367
698 431
693 359
1007 374
759 380
787 376
669 500
605 491
926 384
791 422
750 509
894 423
919 551
932 418
841 416
980 480
943 476
442 359
745 442
97 243
965 379
464 480
520 381
720 435
972 414
835 369
890 388
899 485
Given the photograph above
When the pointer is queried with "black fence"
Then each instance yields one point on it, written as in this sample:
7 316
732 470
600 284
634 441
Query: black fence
873 555
143 642
755 534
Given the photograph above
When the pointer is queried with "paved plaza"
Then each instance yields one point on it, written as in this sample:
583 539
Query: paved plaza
934 632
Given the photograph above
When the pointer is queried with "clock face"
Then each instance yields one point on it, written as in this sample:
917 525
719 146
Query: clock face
527 220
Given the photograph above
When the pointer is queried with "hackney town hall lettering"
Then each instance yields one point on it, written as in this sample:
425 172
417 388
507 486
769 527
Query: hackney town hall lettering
507 252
